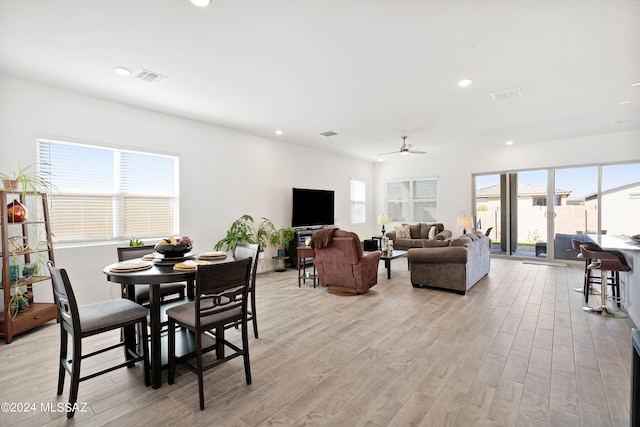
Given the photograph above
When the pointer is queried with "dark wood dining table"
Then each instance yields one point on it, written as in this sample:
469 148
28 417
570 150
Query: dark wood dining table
152 277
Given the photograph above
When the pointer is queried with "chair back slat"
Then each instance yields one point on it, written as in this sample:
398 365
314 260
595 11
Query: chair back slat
67 304
222 287
248 250
125 253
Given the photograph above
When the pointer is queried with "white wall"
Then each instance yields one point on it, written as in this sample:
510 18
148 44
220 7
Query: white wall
223 173
454 170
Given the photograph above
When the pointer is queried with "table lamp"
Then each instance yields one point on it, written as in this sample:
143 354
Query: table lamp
465 222
383 219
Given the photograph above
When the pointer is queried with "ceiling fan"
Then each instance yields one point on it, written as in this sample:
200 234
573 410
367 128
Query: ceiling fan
404 149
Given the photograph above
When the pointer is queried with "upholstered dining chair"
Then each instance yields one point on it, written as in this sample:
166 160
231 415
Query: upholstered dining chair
249 250
91 320
126 253
220 300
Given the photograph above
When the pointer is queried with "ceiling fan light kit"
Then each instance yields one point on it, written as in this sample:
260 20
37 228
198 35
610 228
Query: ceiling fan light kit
404 149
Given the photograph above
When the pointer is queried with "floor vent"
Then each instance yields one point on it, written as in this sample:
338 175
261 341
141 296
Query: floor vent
506 93
150 76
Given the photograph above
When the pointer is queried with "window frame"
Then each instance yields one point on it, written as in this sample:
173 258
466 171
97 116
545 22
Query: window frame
117 196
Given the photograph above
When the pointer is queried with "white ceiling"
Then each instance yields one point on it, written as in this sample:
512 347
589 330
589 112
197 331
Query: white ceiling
370 70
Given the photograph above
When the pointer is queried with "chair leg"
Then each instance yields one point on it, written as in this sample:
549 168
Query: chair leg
63 358
171 351
144 344
254 318
75 375
245 349
199 366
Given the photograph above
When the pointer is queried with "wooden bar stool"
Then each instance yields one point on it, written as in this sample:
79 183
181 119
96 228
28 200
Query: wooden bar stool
605 261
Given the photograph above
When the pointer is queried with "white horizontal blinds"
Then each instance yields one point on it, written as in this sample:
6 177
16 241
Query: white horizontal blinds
104 193
148 194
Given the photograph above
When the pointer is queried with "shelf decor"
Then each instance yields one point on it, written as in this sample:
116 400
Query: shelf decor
16 212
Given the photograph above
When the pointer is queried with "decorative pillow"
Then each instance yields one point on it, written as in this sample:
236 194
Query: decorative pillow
472 236
424 230
414 231
402 232
432 233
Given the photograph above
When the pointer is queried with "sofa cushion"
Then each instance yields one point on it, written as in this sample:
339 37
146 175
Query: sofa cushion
414 230
426 243
460 241
424 230
402 232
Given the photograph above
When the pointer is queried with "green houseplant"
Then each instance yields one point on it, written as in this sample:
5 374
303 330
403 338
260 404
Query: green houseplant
281 238
25 179
245 230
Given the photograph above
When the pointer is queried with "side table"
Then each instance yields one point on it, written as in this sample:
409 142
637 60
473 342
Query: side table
278 263
304 252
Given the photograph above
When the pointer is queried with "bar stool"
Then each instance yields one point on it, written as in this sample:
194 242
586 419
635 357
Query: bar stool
586 285
605 261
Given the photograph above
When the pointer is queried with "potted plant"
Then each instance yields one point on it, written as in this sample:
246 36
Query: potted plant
245 230
281 238
25 179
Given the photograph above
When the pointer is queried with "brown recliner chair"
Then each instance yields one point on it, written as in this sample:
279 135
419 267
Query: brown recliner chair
341 263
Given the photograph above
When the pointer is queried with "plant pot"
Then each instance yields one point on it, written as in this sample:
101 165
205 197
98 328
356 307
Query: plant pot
10 184
16 212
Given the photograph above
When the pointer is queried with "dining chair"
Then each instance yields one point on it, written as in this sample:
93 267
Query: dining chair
220 300
249 250
91 320
126 253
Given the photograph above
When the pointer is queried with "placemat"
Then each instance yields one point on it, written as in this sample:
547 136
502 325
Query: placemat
130 267
189 265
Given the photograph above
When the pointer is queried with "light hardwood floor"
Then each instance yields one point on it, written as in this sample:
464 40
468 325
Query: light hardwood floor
516 350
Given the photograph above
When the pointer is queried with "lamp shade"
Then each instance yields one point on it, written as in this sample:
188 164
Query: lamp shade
383 219
465 221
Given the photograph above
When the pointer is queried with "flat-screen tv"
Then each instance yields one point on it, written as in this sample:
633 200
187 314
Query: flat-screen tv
312 208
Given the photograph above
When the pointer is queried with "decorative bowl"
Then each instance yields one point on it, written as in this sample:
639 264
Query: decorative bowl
173 250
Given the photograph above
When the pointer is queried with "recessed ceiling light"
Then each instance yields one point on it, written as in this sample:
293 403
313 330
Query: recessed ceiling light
626 101
635 84
510 142
279 132
201 3
122 71
465 82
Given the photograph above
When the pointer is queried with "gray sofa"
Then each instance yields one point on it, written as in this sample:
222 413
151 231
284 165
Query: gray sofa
457 266
420 236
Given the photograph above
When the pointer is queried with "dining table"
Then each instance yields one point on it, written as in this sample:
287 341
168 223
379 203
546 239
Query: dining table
153 276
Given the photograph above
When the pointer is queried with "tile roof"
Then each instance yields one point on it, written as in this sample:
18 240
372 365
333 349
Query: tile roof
524 189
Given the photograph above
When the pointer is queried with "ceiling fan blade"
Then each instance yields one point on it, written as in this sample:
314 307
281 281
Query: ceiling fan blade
417 152
391 152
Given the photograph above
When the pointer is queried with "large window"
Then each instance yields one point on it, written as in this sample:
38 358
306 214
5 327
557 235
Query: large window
413 200
104 193
358 202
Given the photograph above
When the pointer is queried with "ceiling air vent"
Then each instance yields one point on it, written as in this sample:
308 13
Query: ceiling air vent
506 93
328 133
150 76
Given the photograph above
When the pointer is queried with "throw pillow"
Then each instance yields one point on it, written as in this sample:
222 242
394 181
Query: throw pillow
432 233
402 232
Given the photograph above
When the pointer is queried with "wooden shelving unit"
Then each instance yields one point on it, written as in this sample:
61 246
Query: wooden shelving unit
38 313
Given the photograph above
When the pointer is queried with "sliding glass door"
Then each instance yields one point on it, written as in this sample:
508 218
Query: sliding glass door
528 209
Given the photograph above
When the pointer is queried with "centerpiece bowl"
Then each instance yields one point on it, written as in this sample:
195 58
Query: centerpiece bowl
176 250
